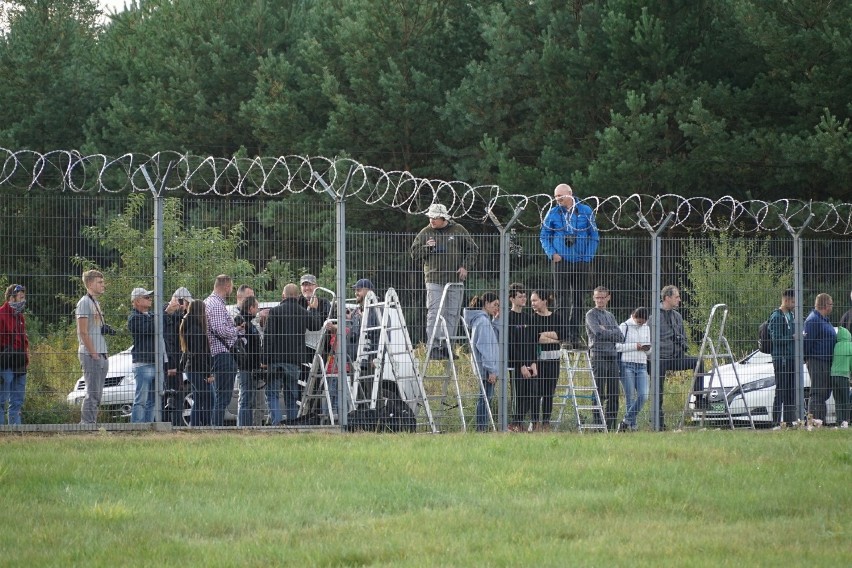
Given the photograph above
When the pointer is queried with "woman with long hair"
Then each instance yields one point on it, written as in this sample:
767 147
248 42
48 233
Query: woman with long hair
634 365
522 358
479 318
550 331
197 362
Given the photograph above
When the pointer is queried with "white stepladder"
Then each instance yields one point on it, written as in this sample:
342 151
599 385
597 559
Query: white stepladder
384 373
439 379
580 390
708 392
319 392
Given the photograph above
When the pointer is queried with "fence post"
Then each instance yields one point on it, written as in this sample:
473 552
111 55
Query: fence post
159 344
798 319
505 247
656 285
340 251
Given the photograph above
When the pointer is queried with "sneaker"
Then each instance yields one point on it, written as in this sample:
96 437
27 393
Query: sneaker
623 427
844 424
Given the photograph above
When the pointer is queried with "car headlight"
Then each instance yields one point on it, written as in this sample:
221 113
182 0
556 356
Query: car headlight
759 384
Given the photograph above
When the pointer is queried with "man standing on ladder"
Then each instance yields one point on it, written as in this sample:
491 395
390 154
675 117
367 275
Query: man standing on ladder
447 252
603 331
569 238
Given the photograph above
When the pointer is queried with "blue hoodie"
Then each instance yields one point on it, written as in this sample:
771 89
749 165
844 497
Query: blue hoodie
485 343
578 225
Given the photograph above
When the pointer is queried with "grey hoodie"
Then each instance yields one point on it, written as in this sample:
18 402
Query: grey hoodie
485 344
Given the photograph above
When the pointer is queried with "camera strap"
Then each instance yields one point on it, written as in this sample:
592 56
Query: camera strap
97 308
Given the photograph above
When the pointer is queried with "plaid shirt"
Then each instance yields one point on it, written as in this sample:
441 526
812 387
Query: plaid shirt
220 326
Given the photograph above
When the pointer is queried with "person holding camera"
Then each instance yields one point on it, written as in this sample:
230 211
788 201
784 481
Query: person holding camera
634 366
92 346
174 388
447 252
14 354
673 344
569 238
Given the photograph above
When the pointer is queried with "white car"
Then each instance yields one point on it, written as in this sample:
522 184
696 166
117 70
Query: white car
120 388
757 378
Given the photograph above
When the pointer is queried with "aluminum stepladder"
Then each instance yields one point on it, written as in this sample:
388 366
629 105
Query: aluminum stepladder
714 345
581 391
441 378
391 368
316 392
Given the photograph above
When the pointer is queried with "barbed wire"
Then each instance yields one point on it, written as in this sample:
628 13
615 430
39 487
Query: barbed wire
69 170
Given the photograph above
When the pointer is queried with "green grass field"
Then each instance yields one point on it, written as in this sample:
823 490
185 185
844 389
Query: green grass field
703 498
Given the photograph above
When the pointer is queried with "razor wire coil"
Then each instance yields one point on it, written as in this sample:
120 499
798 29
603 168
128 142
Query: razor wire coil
69 170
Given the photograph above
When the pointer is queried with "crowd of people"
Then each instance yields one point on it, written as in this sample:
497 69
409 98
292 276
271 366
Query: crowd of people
271 349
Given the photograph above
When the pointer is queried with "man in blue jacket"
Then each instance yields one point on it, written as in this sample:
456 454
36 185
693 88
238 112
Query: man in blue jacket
569 238
820 338
782 331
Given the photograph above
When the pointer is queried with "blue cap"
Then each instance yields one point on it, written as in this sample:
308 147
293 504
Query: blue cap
364 283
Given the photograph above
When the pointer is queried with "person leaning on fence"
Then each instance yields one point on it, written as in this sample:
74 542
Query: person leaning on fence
819 341
634 365
221 334
250 365
197 362
284 350
549 328
140 323
569 238
522 358
782 333
479 317
14 354
175 392
448 253
841 372
603 333
92 346
673 344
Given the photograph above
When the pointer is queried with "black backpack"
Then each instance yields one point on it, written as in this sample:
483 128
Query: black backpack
764 341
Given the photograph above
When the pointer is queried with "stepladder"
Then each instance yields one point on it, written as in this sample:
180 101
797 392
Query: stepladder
439 374
384 378
577 388
716 395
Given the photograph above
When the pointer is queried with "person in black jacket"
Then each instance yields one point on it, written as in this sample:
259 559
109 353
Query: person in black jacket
174 389
284 350
250 363
197 362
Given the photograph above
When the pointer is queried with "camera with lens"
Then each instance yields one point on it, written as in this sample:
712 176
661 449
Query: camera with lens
239 320
107 329
570 240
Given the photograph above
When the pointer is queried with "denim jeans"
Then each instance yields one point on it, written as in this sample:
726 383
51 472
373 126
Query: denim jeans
224 374
248 399
12 387
202 399
286 376
634 379
143 401
482 422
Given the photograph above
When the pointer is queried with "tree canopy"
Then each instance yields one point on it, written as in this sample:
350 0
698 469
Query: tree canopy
748 98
